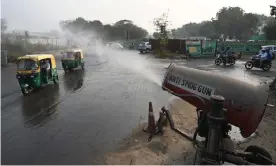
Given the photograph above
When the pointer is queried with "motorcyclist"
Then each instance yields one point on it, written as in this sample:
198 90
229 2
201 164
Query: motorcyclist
263 56
227 53
269 56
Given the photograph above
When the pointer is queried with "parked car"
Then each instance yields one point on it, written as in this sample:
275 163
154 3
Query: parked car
144 47
272 50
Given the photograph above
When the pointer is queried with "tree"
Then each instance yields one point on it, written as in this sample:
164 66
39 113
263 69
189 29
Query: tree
109 32
4 25
207 28
156 35
229 21
188 30
161 24
269 30
273 11
173 33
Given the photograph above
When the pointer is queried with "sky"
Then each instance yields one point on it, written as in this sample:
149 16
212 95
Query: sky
44 15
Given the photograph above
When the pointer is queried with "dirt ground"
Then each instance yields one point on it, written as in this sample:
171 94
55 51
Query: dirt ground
174 149
162 149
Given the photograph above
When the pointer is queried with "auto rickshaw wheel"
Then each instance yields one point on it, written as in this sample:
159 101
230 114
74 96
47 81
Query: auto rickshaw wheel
24 92
55 79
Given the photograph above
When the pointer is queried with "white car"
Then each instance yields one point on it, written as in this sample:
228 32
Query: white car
144 47
272 49
115 45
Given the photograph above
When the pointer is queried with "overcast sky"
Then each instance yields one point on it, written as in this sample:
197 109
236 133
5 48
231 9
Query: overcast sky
44 15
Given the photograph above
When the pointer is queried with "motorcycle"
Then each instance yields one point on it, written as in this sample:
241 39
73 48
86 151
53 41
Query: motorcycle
222 59
256 62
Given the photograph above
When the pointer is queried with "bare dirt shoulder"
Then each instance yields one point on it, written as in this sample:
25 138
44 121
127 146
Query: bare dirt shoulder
162 149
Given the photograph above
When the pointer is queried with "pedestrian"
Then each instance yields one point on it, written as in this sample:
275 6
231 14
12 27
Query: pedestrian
240 55
228 53
188 54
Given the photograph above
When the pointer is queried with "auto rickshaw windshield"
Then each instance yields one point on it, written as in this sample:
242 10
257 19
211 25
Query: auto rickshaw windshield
27 64
68 55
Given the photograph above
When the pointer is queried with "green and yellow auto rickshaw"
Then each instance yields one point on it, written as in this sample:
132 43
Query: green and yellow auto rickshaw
72 59
33 71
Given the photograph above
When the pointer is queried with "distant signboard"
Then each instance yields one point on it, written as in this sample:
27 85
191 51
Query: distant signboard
192 49
192 42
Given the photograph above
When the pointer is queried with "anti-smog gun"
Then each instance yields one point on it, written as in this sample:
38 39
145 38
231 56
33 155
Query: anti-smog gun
220 102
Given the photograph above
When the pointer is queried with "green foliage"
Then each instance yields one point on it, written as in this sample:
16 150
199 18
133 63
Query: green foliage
156 35
118 31
270 30
161 24
161 53
273 11
164 42
230 21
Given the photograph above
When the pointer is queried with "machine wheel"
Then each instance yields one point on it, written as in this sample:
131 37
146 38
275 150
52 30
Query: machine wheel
258 150
218 61
249 65
266 67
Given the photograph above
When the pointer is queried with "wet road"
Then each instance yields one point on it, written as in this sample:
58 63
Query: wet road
83 116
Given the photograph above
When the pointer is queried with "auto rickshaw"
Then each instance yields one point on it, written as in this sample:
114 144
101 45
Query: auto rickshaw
72 59
33 71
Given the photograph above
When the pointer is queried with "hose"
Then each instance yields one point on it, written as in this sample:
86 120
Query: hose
236 160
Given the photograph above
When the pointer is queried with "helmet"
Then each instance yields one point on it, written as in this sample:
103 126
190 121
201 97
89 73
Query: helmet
263 50
267 49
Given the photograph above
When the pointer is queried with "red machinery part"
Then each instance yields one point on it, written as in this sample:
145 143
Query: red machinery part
245 103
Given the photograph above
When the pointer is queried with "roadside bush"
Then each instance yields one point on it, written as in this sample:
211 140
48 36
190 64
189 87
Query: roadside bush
162 54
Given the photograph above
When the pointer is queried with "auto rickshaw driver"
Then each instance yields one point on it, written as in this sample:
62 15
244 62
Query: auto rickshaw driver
47 67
